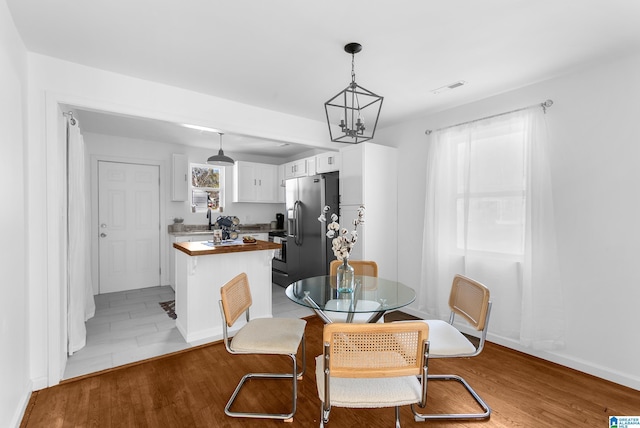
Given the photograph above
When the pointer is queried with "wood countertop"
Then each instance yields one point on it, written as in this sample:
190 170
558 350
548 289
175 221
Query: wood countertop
202 249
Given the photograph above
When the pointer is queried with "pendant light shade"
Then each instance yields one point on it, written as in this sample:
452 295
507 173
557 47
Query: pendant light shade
220 159
346 111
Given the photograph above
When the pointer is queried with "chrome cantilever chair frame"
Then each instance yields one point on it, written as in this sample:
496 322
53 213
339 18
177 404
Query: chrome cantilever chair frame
391 358
478 317
294 375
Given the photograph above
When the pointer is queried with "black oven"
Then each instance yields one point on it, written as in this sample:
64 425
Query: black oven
279 262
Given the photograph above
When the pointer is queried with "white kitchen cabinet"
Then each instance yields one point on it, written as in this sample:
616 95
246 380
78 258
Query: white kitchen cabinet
179 177
281 191
328 162
255 182
368 176
311 166
259 236
295 169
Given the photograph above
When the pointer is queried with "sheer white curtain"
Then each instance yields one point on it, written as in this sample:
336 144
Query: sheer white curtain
81 305
489 215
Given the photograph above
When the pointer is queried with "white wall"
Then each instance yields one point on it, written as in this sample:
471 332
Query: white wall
139 149
15 388
595 149
127 149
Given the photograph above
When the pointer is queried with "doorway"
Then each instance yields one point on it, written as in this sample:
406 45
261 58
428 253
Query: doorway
129 226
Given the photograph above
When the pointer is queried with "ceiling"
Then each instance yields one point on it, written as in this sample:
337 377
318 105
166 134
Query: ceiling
287 55
98 122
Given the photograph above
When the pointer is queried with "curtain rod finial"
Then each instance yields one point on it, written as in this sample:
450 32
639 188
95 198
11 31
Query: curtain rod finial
428 132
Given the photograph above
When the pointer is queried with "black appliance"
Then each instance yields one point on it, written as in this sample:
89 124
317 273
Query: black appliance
279 263
308 249
279 221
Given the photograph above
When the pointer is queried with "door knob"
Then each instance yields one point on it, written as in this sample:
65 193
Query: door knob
103 225
103 235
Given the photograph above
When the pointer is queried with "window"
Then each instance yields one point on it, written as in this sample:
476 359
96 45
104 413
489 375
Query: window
490 188
207 187
489 215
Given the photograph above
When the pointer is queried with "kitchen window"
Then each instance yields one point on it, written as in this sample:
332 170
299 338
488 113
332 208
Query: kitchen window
207 187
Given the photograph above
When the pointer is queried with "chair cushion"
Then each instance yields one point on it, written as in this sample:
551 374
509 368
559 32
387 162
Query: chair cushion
269 336
369 392
446 340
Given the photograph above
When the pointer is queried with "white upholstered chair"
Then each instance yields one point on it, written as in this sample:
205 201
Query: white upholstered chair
268 336
373 365
469 300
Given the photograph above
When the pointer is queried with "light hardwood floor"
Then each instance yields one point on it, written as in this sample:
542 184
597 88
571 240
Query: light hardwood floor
190 388
131 326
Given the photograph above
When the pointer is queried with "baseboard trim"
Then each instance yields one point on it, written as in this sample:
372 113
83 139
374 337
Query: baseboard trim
39 383
22 406
602 372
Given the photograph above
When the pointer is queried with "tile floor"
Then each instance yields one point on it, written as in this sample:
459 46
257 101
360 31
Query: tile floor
131 326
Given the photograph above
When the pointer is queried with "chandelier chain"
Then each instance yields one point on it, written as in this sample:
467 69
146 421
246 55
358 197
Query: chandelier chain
353 68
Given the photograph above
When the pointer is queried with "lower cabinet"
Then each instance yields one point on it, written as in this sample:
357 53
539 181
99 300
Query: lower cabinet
172 253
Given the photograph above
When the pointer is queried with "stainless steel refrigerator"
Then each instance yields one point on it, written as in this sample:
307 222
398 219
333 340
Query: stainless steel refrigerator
308 248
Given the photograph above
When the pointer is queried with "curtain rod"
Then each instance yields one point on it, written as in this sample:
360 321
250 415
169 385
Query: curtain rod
546 104
69 115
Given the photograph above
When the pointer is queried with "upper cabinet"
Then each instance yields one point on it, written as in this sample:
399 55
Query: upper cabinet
255 182
325 162
295 169
328 162
179 177
281 185
369 177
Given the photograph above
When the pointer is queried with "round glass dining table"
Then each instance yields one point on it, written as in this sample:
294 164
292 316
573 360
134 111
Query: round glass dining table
373 295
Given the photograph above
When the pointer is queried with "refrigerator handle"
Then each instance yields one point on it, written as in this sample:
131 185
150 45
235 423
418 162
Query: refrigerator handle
297 215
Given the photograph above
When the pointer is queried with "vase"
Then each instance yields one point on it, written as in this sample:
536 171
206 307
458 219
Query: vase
345 277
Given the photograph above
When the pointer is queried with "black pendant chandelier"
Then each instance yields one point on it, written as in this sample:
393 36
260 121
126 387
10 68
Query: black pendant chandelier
220 159
346 111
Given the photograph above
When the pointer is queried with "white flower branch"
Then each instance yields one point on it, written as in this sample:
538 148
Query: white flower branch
343 240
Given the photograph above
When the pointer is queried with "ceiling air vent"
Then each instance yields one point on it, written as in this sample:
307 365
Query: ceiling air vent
449 86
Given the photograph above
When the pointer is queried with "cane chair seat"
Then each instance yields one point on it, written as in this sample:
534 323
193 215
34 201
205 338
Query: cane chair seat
446 340
263 336
373 365
470 300
370 392
269 336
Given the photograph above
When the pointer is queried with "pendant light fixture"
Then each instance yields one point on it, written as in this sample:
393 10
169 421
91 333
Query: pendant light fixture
220 159
346 111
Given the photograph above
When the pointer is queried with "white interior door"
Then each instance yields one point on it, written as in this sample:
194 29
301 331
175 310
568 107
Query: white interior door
128 226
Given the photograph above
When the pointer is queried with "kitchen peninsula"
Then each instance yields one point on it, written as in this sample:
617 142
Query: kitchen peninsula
202 269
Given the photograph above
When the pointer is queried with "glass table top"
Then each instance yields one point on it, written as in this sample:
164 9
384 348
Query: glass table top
370 294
